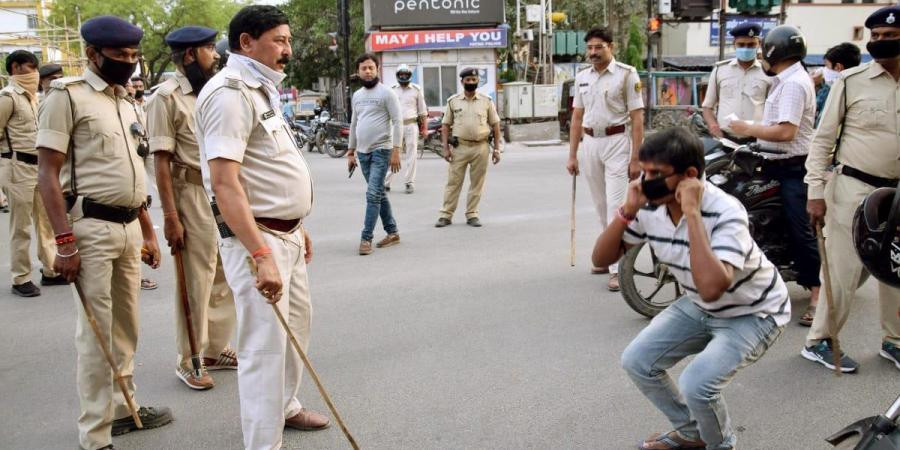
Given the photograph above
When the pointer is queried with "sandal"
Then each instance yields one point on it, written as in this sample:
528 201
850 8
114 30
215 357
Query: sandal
148 284
670 440
807 319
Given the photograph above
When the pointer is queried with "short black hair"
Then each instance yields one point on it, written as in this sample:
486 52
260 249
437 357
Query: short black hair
254 20
676 147
846 54
365 57
137 78
20 57
599 33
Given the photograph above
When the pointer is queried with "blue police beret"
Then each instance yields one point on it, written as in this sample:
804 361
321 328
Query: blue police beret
190 36
746 29
889 16
111 32
468 72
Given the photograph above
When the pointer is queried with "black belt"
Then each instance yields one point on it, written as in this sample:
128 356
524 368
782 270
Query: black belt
784 162
26 158
871 180
95 210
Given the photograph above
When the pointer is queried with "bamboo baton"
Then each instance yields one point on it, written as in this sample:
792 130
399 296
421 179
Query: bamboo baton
835 345
186 310
572 226
109 357
315 377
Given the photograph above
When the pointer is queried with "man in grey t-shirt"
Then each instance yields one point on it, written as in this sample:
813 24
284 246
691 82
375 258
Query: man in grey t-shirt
375 133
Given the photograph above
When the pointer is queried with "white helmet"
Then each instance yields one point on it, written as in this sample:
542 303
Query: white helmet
404 74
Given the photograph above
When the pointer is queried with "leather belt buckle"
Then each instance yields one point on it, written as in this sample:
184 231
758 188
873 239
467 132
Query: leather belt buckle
588 131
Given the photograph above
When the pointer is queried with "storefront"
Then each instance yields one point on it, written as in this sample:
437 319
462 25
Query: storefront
404 32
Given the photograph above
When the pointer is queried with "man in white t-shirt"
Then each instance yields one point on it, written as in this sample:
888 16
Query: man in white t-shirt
736 303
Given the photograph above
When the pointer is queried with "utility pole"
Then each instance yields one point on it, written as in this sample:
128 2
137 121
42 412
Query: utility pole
650 35
80 40
344 32
723 21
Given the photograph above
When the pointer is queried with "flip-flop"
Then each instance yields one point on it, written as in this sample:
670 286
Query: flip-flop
806 319
672 441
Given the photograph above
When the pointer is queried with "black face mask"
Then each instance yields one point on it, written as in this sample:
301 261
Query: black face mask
656 188
886 49
116 72
369 84
470 87
404 83
196 76
138 94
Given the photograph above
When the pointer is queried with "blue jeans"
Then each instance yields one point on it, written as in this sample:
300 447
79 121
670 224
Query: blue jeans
374 167
695 406
802 243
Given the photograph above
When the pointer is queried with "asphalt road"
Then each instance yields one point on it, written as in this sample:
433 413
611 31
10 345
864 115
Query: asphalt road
456 338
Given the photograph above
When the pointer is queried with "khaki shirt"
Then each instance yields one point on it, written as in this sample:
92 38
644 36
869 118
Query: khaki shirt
471 119
18 118
236 121
733 90
608 97
412 101
870 142
170 121
90 121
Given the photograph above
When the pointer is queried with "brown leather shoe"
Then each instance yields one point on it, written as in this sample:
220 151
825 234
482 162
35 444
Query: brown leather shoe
613 284
365 247
389 240
307 420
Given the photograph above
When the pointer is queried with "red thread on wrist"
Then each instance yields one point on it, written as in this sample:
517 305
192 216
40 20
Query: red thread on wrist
624 217
264 250
65 240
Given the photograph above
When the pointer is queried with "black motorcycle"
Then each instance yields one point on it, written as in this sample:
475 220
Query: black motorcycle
874 433
335 138
432 141
649 287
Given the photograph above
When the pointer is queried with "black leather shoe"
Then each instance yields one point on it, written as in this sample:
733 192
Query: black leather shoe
26 289
442 222
151 417
473 222
58 280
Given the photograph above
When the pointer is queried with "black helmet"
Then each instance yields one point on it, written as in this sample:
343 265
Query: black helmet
876 236
222 50
783 42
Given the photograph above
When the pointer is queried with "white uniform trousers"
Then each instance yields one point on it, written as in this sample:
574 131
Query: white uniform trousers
411 147
270 370
604 163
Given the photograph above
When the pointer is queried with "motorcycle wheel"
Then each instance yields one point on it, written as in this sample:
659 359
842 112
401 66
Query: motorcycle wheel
647 286
716 166
335 152
319 141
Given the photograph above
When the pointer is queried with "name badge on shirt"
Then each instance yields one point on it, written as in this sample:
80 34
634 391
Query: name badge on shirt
268 115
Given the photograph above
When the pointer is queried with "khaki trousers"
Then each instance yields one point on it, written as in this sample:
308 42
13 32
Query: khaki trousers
604 163
270 370
27 209
111 279
411 157
842 196
211 303
475 157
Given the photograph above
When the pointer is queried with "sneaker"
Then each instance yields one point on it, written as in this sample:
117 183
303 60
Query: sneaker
389 240
148 284
410 188
613 283
151 417
199 384
58 280
227 361
365 247
473 222
822 354
26 289
442 222
891 353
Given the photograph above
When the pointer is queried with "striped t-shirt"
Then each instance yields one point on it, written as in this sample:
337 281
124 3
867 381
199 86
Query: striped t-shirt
757 287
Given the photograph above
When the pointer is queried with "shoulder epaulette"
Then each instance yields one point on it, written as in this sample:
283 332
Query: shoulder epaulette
855 70
233 79
62 83
167 87
625 66
722 63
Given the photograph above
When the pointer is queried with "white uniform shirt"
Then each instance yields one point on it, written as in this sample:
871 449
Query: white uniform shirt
412 101
791 99
757 287
236 121
607 97
734 90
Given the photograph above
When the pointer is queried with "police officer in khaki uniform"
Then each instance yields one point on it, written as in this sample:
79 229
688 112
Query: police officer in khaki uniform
470 118
607 99
190 227
262 186
48 73
738 87
18 124
860 132
88 136
415 115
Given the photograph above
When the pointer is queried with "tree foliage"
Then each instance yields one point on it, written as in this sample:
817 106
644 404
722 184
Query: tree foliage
634 50
156 17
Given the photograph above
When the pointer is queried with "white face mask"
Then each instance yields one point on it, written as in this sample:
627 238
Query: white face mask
830 75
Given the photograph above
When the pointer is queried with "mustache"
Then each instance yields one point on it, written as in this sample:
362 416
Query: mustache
284 60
